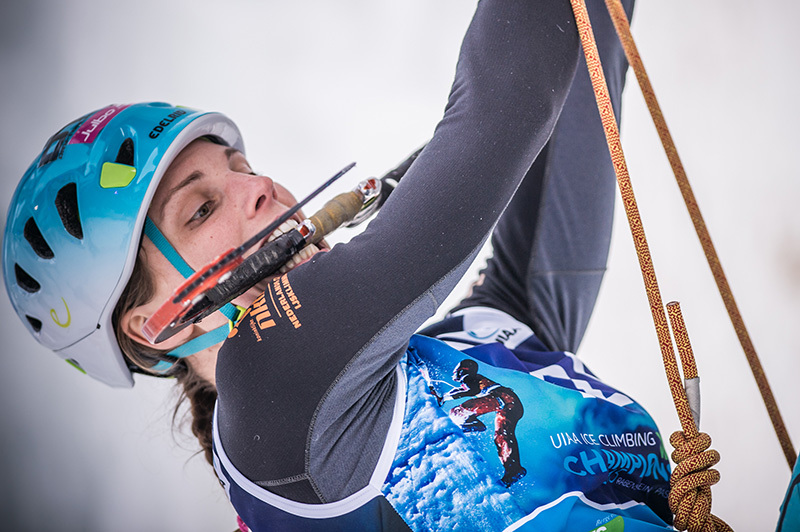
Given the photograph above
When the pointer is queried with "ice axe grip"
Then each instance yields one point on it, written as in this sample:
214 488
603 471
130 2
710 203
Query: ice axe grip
342 208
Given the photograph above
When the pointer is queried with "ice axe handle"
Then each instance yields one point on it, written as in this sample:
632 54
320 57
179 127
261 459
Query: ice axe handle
335 212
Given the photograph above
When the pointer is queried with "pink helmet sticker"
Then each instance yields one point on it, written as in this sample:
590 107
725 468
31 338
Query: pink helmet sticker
93 125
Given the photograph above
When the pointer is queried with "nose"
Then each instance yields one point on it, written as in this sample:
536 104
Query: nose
256 194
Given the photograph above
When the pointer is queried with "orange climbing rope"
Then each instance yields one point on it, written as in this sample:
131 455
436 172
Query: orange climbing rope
624 31
690 495
691 481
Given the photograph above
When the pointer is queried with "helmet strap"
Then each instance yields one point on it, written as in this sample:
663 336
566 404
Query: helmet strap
157 237
205 340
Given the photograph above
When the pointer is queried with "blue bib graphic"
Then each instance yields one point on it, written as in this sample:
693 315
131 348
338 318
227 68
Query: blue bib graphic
491 448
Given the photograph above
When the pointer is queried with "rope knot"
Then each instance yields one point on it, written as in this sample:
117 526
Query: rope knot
691 481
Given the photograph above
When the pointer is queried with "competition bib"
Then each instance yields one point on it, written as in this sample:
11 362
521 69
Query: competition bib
540 444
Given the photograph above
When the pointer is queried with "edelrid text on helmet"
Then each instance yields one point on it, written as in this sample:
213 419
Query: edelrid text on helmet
165 123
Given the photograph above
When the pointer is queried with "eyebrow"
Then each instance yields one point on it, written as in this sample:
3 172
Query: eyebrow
192 177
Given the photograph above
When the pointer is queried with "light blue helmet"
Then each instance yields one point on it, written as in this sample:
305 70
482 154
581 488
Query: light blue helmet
75 223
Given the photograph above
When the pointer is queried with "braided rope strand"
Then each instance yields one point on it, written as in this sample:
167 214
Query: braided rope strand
682 342
690 494
629 200
622 26
690 484
691 481
689 422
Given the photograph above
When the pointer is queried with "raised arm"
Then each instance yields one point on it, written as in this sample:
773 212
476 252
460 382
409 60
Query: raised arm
322 374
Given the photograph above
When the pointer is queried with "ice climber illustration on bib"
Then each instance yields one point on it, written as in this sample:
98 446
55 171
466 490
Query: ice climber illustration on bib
489 396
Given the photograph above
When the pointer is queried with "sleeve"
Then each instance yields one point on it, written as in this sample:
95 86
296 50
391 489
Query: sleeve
304 406
550 247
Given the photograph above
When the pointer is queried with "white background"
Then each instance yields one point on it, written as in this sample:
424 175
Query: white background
316 84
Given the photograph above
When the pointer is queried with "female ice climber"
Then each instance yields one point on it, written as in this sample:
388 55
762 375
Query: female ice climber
320 408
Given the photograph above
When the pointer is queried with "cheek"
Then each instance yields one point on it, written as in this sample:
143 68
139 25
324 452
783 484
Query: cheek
284 196
226 232
218 235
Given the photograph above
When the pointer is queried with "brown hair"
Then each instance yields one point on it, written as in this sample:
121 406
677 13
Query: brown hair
202 395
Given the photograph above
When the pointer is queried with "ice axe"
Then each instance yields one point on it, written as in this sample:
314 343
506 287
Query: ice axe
230 274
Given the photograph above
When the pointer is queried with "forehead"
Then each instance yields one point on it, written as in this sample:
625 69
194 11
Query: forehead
196 156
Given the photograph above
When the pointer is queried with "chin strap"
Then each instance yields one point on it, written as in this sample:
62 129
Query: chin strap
206 340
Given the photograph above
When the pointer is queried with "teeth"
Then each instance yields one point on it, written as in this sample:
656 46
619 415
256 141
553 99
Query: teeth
285 227
304 254
308 252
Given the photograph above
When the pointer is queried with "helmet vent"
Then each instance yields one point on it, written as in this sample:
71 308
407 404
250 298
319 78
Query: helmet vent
24 280
34 237
125 154
67 205
36 324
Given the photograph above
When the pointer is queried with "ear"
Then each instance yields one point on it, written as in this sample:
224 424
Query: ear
132 324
